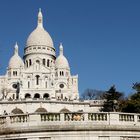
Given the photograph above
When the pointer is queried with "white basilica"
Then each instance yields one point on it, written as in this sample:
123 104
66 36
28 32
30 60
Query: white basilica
40 74
39 99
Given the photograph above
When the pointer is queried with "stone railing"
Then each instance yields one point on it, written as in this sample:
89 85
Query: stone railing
74 117
97 116
19 118
2 120
112 118
50 117
126 117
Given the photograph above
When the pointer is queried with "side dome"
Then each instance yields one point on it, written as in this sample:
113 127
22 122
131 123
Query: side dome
61 61
16 61
39 36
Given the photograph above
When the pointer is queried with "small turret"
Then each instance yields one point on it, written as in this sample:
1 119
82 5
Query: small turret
61 61
15 61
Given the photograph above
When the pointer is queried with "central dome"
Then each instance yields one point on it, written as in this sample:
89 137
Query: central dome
39 37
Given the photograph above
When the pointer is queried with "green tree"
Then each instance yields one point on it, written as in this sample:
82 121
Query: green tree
132 104
113 100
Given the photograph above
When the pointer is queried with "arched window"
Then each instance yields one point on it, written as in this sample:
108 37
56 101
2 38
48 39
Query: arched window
27 95
30 62
48 63
60 73
46 95
37 79
44 62
14 73
37 95
37 61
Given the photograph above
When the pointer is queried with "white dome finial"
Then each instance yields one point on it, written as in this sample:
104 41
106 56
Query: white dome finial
16 48
61 49
40 18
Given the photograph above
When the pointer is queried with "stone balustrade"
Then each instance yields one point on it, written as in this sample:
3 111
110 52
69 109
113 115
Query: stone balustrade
19 118
50 117
126 117
2 120
111 118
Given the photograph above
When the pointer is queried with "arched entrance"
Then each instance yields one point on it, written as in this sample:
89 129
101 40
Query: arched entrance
37 95
46 96
27 95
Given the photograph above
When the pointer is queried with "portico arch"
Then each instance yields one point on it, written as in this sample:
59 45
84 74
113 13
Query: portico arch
37 95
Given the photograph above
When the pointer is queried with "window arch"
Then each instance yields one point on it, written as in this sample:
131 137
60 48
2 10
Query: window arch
37 95
37 61
17 111
41 110
27 95
46 96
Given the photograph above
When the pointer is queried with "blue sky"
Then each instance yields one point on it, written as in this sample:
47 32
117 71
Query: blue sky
101 38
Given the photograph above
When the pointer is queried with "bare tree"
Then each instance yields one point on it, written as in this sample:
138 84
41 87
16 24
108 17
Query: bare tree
92 94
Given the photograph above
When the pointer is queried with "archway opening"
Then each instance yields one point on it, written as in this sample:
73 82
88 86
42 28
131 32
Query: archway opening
46 96
27 95
37 95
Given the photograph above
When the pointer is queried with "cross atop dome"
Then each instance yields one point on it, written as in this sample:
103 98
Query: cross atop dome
40 18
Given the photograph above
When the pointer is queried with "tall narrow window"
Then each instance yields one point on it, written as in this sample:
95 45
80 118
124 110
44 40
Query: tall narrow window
48 62
14 73
46 84
62 73
30 62
37 79
27 63
13 96
44 62
28 84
